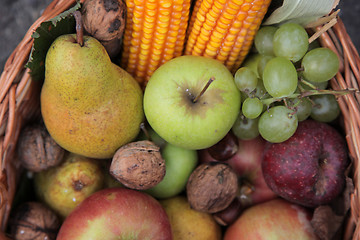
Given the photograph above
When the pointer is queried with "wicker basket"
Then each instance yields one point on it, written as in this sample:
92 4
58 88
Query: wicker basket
19 104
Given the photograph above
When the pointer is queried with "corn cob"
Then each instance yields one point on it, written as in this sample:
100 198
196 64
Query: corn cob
155 33
225 29
195 8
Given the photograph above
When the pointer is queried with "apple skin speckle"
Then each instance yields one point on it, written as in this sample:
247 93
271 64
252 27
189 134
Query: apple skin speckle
308 168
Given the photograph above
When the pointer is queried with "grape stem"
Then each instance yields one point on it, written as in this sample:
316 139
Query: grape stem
300 69
309 93
308 83
285 102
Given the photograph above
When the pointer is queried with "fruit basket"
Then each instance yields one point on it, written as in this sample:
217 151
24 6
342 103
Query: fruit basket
20 104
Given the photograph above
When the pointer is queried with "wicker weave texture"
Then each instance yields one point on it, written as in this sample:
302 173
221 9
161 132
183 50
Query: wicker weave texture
19 103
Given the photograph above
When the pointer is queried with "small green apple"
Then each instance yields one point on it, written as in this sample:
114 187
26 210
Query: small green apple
179 164
178 109
65 186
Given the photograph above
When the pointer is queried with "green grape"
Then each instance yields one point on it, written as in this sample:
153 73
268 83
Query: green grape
252 107
244 128
262 63
251 62
243 97
280 77
245 79
277 124
303 108
313 45
260 90
264 40
320 64
326 108
291 41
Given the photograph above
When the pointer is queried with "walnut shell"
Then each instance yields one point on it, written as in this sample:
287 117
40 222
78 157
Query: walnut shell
37 150
212 187
35 221
138 165
105 21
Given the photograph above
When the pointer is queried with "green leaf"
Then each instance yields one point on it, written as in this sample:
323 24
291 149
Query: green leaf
43 37
299 11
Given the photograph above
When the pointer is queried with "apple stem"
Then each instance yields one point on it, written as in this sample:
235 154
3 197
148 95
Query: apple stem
204 89
244 192
79 28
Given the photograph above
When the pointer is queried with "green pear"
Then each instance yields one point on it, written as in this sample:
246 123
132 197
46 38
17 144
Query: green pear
65 186
90 106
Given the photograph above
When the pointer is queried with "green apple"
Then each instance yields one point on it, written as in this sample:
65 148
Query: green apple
178 109
65 186
179 164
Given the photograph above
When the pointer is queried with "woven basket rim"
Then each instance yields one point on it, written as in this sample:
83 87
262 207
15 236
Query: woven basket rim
19 103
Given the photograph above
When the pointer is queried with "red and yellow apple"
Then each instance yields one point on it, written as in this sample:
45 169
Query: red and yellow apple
117 213
275 219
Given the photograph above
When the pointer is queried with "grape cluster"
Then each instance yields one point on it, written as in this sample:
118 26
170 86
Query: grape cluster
283 83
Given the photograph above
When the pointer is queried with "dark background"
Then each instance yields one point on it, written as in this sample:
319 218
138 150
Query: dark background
16 16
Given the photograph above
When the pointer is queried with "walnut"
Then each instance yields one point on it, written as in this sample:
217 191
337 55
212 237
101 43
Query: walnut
35 221
138 165
212 187
37 150
105 21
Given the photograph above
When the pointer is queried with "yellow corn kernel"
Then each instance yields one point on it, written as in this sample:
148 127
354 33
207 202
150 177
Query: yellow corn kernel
224 29
155 33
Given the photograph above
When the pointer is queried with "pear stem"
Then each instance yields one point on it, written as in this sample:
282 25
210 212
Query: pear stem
204 89
79 28
143 128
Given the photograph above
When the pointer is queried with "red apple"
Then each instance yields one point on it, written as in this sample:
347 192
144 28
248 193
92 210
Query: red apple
117 213
275 219
309 168
247 164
